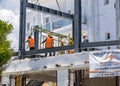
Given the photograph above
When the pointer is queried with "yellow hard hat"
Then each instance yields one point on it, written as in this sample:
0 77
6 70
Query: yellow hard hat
71 42
71 38
49 34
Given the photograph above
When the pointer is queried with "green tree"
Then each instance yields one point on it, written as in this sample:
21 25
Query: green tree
5 50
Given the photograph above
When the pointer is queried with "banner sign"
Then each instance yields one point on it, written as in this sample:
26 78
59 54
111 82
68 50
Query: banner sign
104 63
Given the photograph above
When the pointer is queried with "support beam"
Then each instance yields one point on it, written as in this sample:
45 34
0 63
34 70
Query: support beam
77 25
83 45
78 78
23 80
48 10
36 37
31 52
102 43
22 28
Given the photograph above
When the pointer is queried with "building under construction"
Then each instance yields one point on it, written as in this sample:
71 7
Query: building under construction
65 19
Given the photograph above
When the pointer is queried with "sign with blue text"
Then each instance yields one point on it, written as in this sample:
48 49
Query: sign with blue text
104 63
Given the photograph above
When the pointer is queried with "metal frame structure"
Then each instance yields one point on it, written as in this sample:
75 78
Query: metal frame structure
23 6
76 18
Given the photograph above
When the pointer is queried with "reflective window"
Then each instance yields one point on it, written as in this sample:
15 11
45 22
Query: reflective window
47 20
61 23
106 2
47 26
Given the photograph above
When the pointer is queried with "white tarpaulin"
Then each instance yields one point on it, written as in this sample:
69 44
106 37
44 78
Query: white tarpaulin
104 63
76 60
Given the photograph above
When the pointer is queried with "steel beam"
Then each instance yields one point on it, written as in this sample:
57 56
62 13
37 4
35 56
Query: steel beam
102 43
78 78
23 6
36 37
22 28
83 45
31 52
77 25
48 10
76 29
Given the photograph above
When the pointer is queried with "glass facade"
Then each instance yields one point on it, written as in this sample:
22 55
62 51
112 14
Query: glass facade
57 24
106 2
47 26
61 23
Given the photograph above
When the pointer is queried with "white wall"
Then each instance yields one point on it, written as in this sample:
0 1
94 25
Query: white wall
5 80
62 78
101 19
107 20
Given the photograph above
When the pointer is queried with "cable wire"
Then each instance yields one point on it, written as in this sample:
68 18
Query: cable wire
58 5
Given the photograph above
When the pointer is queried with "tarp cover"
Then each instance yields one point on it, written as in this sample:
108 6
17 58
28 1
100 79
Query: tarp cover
77 60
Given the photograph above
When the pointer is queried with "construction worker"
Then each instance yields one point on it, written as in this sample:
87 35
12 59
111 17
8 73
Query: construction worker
61 51
85 40
49 42
31 44
71 42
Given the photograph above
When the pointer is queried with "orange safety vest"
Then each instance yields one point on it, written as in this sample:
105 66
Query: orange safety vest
49 42
31 42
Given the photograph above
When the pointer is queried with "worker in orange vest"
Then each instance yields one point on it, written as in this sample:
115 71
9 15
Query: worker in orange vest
31 44
49 43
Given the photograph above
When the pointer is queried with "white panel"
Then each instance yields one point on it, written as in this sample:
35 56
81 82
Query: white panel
5 80
62 78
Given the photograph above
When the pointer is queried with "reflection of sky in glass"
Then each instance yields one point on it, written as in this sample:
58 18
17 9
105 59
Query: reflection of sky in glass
57 24
47 26
61 23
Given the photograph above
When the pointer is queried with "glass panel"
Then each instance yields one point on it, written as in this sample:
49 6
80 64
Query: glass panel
47 20
61 23
106 2
47 26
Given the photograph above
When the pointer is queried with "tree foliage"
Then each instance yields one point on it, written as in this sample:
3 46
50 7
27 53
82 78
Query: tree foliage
5 49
